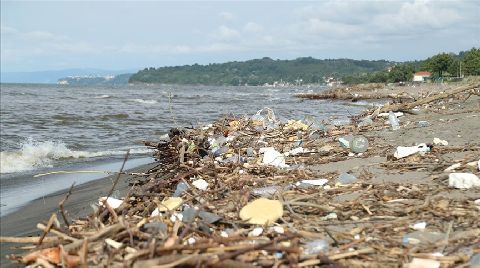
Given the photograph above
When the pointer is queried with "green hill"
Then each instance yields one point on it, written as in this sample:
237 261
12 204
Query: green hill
258 71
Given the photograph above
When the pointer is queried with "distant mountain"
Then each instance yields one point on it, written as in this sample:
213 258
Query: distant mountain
121 79
51 77
259 72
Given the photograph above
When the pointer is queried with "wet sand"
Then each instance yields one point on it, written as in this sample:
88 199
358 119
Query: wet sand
23 222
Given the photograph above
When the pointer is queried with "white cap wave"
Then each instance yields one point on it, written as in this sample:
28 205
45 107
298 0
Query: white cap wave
34 154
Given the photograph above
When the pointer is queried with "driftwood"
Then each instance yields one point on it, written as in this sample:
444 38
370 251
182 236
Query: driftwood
411 105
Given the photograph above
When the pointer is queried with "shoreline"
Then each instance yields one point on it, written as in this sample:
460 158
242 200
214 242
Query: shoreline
386 198
23 221
17 192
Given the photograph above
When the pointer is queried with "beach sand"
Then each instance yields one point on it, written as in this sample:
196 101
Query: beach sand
23 221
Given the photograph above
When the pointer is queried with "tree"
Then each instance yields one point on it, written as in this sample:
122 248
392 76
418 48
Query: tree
401 73
471 62
439 63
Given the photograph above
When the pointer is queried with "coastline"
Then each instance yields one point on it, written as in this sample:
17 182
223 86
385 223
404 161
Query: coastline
392 193
23 221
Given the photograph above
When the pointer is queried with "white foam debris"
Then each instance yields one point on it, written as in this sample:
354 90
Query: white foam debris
463 180
200 184
112 202
402 151
419 226
438 141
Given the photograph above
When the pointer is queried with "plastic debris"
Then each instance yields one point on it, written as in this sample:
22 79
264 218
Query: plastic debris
438 141
112 202
262 211
345 141
346 178
392 118
209 217
385 115
176 217
424 263
188 214
419 226
463 180
277 229
257 231
359 144
402 151
155 213
296 151
181 187
422 237
264 118
170 203
200 184
316 247
308 183
422 124
266 191
364 122
272 157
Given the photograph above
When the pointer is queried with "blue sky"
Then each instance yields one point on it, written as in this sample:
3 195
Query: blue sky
115 35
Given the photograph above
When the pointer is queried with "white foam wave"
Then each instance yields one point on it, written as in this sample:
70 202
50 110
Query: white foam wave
34 155
145 101
102 97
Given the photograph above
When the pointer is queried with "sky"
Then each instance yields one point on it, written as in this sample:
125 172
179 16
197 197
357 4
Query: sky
116 35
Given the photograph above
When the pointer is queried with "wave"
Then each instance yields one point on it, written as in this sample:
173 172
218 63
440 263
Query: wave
105 96
145 101
34 154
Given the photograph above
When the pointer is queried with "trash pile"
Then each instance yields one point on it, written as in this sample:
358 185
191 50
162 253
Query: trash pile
241 192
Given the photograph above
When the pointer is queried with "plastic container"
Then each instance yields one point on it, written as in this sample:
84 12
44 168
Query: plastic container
359 144
316 247
393 121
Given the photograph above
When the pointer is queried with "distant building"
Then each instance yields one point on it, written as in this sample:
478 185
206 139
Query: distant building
421 76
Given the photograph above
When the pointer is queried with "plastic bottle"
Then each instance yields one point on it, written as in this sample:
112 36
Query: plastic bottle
393 120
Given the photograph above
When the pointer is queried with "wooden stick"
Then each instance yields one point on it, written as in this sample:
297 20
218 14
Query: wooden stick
52 219
42 227
62 209
26 240
351 254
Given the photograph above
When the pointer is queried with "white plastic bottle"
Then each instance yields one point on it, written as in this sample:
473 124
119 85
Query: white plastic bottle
393 120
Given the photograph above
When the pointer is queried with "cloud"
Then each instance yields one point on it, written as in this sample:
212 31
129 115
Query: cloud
5 30
252 27
36 42
226 15
225 33
365 21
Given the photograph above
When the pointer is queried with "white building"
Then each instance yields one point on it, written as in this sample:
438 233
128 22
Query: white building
421 76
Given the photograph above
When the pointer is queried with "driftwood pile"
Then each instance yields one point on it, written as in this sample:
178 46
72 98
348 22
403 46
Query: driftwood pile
377 92
189 211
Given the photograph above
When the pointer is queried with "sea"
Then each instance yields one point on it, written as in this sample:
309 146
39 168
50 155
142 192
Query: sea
49 128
